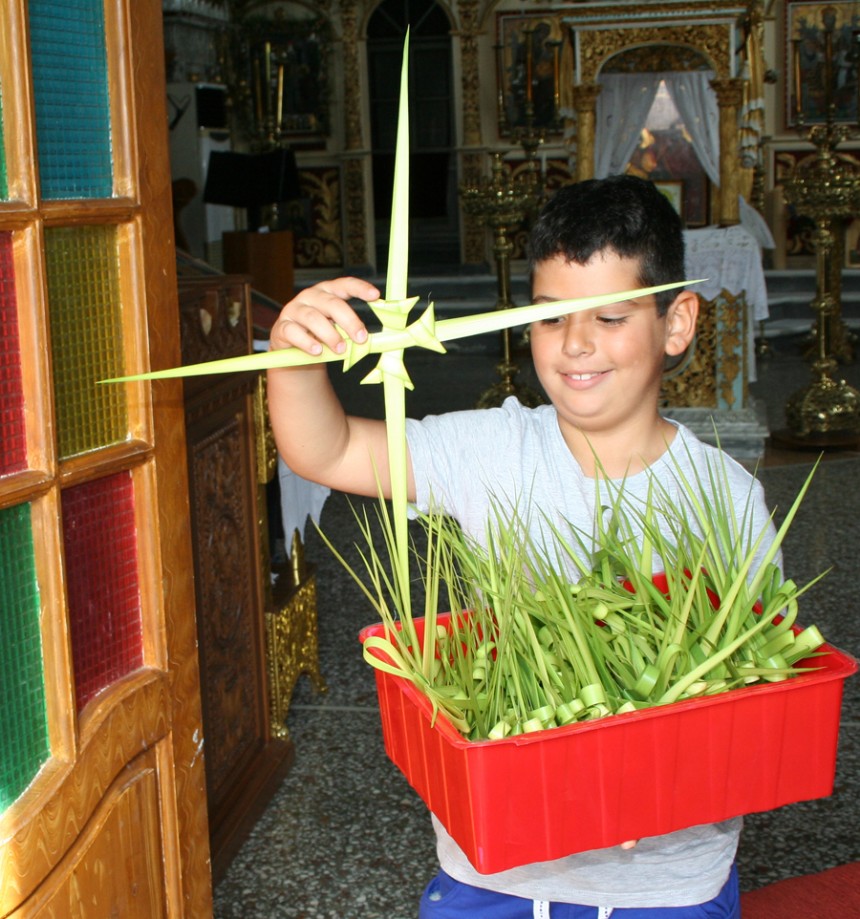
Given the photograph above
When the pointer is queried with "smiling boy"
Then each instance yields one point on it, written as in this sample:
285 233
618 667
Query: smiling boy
601 370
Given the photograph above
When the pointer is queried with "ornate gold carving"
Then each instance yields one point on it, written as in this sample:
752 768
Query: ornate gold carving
694 382
731 350
474 235
323 246
351 76
354 184
469 81
585 97
656 59
267 452
597 46
708 376
356 220
585 102
292 645
730 94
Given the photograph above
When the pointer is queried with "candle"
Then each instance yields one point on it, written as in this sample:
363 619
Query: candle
529 50
258 93
828 67
795 53
268 76
280 108
556 77
500 82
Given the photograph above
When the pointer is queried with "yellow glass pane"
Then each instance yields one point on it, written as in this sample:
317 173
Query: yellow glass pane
86 336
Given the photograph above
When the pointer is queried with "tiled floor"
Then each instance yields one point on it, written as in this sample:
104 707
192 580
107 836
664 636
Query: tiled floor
346 837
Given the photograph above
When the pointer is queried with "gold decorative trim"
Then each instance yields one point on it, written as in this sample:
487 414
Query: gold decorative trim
597 46
266 451
731 351
324 248
469 70
474 234
694 383
355 192
292 646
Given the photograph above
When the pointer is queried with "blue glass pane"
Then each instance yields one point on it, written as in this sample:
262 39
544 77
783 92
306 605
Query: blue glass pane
70 84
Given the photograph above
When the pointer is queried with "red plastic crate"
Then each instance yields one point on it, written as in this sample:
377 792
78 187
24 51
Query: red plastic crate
541 796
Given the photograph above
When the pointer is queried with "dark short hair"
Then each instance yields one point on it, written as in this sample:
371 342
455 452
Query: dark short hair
623 214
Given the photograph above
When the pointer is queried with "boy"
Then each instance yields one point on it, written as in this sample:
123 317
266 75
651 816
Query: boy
601 370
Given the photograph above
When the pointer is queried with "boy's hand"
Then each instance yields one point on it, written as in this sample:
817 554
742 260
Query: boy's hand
308 320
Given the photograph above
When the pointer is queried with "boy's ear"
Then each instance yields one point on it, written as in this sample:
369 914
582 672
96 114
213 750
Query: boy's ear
681 321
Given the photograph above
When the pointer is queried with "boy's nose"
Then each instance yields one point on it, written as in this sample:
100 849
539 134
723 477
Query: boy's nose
577 338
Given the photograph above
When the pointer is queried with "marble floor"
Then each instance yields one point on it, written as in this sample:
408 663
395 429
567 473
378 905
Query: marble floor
347 837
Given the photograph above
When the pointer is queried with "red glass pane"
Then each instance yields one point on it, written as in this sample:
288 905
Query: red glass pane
101 574
13 439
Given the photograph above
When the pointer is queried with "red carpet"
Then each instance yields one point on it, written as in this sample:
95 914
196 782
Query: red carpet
832 894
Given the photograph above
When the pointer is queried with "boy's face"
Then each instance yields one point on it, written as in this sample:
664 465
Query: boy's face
602 368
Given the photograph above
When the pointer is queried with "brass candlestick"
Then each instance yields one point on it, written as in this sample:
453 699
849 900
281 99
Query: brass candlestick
501 203
825 187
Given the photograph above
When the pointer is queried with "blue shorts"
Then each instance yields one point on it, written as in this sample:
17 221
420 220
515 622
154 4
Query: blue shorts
446 898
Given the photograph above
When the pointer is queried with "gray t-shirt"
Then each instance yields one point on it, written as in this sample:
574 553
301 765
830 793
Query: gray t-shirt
465 461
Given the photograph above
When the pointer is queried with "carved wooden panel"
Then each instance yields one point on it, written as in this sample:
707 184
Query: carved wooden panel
224 563
244 763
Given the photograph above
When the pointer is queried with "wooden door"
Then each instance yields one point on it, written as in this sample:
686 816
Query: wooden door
102 785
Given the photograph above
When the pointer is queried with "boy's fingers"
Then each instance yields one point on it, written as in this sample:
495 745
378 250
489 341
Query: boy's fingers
348 288
309 319
286 333
319 315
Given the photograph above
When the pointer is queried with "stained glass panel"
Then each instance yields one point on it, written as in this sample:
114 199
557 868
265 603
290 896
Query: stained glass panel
4 186
100 544
86 336
13 441
72 101
23 717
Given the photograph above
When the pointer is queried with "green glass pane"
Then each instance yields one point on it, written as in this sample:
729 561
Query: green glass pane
23 717
86 336
4 186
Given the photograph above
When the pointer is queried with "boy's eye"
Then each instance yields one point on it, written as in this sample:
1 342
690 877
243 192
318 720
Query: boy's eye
608 320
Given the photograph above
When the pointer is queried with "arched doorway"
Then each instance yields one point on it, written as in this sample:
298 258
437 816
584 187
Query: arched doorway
433 196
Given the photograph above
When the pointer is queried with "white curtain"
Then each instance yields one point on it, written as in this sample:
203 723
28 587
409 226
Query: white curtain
696 102
622 110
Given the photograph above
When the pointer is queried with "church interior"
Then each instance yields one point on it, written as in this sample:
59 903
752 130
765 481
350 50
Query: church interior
188 727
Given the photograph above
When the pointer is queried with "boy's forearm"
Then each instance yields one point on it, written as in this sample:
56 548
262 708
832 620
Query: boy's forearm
313 433
319 441
308 421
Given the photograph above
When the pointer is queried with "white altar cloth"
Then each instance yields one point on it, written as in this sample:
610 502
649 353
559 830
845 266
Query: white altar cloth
729 258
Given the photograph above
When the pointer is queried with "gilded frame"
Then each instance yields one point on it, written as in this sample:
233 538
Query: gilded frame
516 61
805 96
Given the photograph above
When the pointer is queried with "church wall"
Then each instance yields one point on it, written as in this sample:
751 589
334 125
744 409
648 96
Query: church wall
335 214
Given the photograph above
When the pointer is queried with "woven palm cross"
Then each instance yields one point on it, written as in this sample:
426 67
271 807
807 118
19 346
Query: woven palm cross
397 334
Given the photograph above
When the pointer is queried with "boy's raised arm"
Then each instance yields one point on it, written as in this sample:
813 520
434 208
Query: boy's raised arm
313 433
